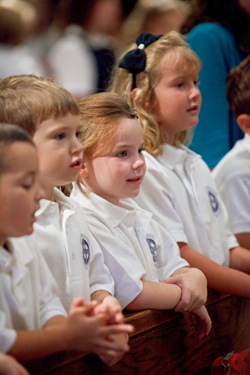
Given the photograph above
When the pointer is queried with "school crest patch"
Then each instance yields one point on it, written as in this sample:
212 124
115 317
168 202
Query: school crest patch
152 248
214 203
85 249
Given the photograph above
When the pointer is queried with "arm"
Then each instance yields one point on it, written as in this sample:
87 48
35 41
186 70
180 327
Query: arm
194 288
155 295
78 332
244 239
240 259
221 278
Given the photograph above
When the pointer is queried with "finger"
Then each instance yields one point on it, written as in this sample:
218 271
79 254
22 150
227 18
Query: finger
118 328
77 302
106 345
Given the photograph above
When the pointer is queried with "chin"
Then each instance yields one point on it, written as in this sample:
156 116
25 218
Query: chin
30 230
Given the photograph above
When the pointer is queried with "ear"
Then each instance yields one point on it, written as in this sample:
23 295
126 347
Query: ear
84 172
243 121
136 92
133 94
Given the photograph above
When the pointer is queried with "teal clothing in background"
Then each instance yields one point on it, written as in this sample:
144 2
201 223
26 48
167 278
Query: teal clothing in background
217 130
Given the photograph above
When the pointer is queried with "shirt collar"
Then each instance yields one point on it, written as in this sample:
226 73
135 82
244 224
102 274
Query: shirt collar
15 261
125 213
172 156
61 201
246 141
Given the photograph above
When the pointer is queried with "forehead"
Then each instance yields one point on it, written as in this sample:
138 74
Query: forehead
182 61
128 127
68 121
21 157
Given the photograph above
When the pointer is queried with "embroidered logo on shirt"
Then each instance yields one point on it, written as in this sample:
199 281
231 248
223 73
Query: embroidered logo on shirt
85 249
214 203
152 248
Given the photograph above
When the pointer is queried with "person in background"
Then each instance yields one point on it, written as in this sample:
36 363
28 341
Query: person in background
46 30
219 32
83 57
18 21
158 76
155 17
232 174
142 257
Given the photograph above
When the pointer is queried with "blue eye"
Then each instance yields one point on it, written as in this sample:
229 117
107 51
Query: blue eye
180 84
60 136
122 154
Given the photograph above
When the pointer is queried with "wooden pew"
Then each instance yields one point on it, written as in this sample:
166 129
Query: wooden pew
163 344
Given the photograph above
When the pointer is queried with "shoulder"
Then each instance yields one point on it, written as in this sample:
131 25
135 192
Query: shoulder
208 35
211 30
235 163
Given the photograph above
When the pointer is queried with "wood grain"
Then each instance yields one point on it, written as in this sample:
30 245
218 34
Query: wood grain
163 343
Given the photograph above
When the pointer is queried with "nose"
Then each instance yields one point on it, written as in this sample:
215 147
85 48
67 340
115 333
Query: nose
195 93
76 147
40 193
139 163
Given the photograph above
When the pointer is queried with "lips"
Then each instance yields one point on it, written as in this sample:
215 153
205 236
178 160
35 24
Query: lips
135 179
77 164
193 109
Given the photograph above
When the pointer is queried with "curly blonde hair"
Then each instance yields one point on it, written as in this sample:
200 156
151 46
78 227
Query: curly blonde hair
144 101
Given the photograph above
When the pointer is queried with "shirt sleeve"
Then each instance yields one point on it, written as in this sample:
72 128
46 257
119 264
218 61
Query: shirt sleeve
7 335
100 276
235 192
120 259
49 303
168 255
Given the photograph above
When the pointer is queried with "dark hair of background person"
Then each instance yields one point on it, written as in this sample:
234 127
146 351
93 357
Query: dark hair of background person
79 12
227 13
76 11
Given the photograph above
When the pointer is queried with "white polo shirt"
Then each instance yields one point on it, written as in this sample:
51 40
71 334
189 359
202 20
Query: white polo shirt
72 63
133 244
72 254
232 177
28 294
179 190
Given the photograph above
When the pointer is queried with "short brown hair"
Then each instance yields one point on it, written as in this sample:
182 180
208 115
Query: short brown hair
28 100
238 88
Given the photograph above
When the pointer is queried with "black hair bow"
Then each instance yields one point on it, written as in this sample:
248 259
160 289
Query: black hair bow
135 60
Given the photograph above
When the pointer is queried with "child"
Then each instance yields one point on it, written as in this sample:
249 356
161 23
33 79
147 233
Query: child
232 174
159 77
51 115
141 255
9 366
